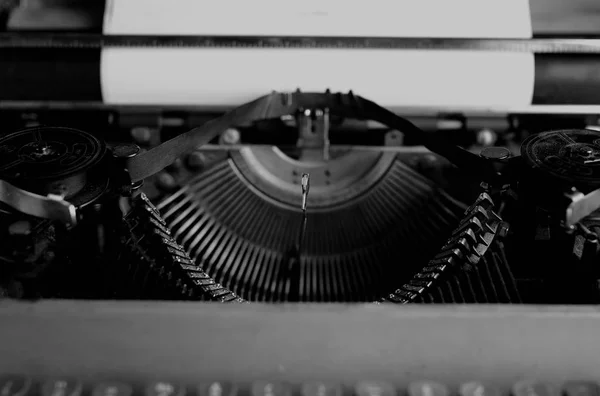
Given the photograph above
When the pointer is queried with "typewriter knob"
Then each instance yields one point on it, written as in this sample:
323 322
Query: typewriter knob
125 150
122 152
495 153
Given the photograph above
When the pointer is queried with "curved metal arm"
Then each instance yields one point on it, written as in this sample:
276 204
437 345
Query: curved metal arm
50 207
468 243
277 105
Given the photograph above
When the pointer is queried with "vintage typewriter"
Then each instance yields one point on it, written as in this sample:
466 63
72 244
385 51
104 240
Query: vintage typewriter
156 158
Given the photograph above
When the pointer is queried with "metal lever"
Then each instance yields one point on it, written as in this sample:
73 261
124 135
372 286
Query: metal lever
305 189
313 137
581 206
277 105
293 272
52 207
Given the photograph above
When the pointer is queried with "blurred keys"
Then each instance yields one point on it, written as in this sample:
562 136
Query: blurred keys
267 388
14 385
534 388
26 386
321 389
379 388
112 389
217 388
476 388
580 388
161 388
427 388
61 387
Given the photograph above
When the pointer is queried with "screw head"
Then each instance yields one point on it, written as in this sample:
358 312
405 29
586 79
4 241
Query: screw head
231 136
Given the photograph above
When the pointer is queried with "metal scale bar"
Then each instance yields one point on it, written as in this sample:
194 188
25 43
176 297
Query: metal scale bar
77 40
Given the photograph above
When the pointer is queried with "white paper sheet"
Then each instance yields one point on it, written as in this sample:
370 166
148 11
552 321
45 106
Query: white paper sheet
401 18
230 77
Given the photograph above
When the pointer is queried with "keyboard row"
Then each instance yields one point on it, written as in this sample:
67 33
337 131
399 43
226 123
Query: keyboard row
27 386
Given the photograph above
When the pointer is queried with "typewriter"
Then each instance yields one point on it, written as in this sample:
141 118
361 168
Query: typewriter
299 198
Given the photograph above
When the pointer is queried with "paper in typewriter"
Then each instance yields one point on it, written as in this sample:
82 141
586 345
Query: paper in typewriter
232 76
